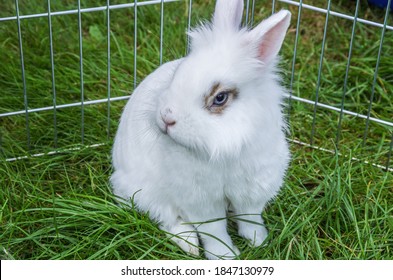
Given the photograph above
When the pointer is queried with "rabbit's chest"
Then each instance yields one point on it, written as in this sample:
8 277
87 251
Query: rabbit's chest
194 180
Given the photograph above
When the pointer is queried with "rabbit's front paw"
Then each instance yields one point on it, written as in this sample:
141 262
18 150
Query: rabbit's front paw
218 251
188 243
185 237
256 234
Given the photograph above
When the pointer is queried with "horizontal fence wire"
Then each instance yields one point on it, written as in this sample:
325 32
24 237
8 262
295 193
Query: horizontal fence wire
249 21
126 97
72 149
336 14
87 10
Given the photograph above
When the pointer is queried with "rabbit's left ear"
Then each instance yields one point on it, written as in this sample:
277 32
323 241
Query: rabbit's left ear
270 34
228 14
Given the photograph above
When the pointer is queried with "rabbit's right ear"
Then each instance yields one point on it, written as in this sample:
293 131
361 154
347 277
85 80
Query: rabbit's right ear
270 34
228 14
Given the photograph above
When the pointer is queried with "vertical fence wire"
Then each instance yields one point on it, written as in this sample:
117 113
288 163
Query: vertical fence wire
252 13
81 73
161 30
273 6
52 62
376 74
108 37
247 12
189 26
135 40
320 74
299 15
338 134
22 66
390 153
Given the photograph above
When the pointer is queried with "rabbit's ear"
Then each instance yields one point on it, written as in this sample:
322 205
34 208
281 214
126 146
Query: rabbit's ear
228 14
270 34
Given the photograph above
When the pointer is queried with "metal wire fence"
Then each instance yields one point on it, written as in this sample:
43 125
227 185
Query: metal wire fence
327 108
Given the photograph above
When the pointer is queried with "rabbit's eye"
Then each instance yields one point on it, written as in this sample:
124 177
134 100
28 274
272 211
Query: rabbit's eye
221 99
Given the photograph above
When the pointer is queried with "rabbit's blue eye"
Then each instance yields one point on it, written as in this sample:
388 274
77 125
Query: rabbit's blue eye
221 99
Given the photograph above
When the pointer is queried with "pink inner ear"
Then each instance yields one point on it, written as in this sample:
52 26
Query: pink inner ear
271 41
266 47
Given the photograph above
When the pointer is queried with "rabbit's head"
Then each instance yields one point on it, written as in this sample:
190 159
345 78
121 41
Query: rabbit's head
225 92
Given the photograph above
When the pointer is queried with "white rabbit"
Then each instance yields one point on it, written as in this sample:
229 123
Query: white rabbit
206 133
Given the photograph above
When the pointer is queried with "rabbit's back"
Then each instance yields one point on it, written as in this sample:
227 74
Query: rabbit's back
137 149
135 131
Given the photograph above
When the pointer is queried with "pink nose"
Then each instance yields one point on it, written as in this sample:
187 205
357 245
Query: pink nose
168 118
168 121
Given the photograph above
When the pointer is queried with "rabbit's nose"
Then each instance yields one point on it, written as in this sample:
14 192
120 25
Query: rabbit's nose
167 118
168 121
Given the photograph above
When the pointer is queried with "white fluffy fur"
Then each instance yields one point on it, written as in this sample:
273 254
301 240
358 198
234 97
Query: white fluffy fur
188 177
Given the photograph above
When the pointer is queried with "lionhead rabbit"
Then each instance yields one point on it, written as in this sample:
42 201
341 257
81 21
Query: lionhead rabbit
205 133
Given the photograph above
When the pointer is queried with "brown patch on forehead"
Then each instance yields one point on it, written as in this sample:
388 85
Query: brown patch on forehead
214 88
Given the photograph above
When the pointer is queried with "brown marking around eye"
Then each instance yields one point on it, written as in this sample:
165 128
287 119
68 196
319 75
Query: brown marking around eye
216 89
210 97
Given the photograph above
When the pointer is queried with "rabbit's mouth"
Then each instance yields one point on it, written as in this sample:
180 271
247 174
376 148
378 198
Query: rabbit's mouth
168 130
166 126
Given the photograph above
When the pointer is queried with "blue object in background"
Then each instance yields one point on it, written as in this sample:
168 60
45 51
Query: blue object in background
381 3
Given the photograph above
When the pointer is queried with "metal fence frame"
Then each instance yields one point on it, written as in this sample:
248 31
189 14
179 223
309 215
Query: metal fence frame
250 8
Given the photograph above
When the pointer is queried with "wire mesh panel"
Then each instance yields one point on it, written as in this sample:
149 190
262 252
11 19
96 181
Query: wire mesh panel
349 95
75 58
68 67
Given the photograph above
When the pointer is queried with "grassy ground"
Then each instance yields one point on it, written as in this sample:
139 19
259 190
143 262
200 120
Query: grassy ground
60 206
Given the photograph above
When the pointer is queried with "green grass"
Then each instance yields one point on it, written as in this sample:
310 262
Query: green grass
61 207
